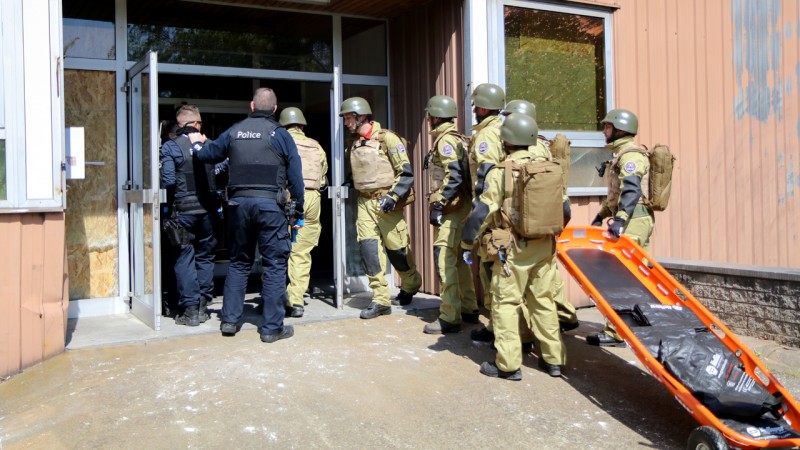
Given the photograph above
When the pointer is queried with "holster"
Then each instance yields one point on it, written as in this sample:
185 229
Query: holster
175 232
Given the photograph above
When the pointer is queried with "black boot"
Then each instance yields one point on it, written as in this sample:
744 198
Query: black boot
202 312
403 298
189 317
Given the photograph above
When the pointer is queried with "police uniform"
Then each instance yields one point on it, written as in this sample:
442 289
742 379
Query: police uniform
627 201
263 162
485 150
566 310
446 169
315 167
194 264
380 167
527 292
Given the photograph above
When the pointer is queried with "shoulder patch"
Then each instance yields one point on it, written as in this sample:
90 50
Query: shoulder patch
483 147
447 150
630 167
401 148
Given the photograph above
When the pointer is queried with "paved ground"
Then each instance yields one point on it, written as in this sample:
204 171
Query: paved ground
345 383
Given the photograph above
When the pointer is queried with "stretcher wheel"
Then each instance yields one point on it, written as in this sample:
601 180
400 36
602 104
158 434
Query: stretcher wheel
706 438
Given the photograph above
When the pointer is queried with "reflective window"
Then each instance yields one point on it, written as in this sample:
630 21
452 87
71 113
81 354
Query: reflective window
363 47
215 35
556 61
584 162
88 29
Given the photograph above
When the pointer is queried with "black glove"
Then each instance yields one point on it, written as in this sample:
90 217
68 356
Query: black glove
387 203
616 225
598 221
567 213
436 214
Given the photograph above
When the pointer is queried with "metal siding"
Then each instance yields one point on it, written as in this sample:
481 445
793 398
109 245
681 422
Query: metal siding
717 80
34 300
426 59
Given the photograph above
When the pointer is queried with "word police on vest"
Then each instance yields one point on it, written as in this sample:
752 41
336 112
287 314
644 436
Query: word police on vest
248 135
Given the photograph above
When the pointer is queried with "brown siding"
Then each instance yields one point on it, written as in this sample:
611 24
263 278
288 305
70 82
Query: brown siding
33 289
718 81
425 48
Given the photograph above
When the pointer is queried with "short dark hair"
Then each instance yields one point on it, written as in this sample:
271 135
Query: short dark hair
264 99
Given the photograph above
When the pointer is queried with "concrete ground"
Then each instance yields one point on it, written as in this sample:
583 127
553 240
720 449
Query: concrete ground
340 382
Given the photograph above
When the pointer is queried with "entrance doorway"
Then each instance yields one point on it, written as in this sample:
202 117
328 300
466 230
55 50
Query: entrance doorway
224 101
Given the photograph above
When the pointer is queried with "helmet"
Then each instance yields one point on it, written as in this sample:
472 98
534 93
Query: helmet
519 129
520 106
489 96
355 105
442 106
623 120
292 116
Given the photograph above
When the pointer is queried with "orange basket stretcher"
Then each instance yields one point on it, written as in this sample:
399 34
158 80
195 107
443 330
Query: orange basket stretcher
611 271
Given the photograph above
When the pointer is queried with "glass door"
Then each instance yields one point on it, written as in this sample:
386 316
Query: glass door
142 193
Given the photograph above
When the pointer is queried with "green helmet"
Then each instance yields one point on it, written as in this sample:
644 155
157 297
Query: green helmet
489 96
355 105
520 106
442 106
292 116
519 129
623 120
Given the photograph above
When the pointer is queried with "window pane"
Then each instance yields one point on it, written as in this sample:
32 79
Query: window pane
556 61
363 47
214 35
89 29
3 189
583 166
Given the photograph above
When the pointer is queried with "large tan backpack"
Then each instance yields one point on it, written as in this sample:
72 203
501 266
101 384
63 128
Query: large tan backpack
662 162
533 198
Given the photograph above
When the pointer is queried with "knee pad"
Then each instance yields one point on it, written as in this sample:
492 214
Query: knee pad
437 250
370 254
398 259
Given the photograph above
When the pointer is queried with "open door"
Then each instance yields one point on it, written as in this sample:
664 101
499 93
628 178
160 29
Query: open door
142 193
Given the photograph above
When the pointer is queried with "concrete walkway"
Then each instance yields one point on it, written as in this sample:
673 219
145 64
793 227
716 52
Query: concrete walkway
345 383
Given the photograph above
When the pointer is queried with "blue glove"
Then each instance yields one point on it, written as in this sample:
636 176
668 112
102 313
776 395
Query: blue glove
300 223
466 255
387 204
436 218
616 227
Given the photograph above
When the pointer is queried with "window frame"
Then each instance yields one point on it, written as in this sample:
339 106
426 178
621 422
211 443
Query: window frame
29 111
497 64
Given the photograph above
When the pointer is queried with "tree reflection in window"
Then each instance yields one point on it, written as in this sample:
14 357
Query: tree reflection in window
556 61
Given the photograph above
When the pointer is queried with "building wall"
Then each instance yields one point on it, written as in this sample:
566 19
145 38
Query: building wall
34 289
425 47
718 81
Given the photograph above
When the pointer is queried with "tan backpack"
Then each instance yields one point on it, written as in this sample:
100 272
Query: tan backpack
662 162
560 150
533 198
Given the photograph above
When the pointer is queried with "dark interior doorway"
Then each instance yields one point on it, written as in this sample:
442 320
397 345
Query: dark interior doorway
224 101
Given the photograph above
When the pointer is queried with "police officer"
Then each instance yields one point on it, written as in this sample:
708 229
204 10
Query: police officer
382 175
567 316
450 198
263 163
485 150
315 168
627 180
518 285
189 229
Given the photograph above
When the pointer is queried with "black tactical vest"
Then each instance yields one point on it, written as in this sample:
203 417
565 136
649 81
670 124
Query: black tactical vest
193 181
257 169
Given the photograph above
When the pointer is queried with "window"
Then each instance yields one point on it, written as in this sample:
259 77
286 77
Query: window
230 36
363 46
559 58
88 29
30 121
